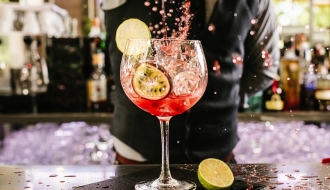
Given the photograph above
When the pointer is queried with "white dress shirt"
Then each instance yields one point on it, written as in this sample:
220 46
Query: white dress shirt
111 4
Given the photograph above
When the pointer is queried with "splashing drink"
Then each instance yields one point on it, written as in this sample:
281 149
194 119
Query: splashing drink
164 77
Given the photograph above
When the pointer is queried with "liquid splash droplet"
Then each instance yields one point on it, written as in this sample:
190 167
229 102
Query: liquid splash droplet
147 3
237 59
216 67
267 57
211 28
254 21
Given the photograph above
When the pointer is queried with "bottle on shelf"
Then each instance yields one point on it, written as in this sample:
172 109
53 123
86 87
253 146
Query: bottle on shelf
39 67
319 59
97 86
303 52
98 45
322 91
273 97
21 76
97 36
290 77
307 74
308 101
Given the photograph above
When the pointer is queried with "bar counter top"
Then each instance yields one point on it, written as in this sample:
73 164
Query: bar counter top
312 116
65 177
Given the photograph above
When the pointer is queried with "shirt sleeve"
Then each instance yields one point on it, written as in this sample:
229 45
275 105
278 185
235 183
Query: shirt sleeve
261 60
112 4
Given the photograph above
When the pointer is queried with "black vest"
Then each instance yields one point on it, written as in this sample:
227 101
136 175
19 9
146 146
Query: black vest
209 128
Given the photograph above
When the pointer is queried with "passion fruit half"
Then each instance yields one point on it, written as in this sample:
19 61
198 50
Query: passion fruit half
150 82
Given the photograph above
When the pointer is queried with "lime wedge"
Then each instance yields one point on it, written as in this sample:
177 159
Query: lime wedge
129 29
215 174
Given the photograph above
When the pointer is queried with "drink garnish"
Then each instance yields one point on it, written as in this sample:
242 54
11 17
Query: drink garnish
132 29
215 174
150 82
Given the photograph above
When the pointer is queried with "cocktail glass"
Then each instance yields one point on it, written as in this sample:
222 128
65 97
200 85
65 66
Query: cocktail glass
164 77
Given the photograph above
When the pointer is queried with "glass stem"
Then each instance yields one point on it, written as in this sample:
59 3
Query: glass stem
165 175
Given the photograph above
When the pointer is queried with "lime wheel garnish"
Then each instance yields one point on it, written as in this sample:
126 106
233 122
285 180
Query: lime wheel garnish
132 29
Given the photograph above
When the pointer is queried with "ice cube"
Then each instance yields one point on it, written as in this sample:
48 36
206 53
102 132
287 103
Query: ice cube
175 66
185 83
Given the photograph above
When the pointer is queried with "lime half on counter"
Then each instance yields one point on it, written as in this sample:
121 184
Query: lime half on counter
215 174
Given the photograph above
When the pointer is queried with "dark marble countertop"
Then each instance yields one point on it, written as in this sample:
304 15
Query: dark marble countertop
65 177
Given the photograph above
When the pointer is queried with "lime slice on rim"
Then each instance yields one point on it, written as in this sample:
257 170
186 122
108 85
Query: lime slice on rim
215 174
132 29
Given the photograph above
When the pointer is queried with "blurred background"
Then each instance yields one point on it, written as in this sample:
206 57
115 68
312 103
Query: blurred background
56 88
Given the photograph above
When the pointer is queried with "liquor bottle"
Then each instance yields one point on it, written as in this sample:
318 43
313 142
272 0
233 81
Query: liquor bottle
290 78
303 51
39 70
97 36
322 92
98 44
31 62
273 97
308 78
97 85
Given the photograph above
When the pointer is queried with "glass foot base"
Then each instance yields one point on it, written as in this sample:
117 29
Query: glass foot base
172 185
